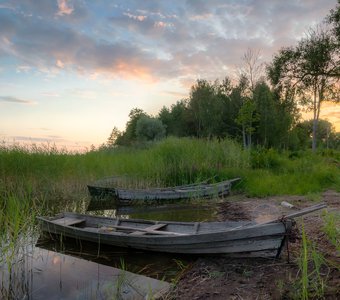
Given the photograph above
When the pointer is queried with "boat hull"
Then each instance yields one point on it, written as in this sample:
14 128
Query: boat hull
220 238
159 195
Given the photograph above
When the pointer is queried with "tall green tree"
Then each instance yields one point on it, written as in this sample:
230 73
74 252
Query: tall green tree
206 107
251 74
129 136
307 69
178 119
246 115
267 129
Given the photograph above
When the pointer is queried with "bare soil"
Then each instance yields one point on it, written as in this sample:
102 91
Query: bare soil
225 278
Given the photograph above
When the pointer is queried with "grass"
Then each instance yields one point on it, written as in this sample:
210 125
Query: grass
37 180
46 180
311 284
332 228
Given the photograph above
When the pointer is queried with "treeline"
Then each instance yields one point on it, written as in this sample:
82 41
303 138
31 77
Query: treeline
222 110
260 108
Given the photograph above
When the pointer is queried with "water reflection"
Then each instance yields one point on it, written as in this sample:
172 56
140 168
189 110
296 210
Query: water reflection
69 269
168 212
43 268
152 264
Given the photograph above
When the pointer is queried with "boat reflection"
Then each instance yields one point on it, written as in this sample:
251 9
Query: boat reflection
159 266
68 269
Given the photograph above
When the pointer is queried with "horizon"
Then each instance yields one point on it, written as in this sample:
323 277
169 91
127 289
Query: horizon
72 70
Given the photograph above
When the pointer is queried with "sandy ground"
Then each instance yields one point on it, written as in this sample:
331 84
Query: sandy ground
225 278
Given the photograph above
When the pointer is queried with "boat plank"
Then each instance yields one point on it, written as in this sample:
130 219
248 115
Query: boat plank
147 229
68 221
112 228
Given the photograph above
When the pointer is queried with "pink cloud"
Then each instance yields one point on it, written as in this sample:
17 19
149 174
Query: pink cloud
64 8
135 17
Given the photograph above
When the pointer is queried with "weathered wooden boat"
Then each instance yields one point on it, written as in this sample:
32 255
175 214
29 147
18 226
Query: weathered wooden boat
232 238
101 190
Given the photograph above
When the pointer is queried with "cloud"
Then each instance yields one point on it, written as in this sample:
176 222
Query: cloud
139 18
150 40
20 138
176 94
64 8
16 100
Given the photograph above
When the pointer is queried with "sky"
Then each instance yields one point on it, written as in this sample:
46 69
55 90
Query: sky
72 70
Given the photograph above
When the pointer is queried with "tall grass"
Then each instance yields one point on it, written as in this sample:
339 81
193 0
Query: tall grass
179 161
48 180
280 173
332 228
311 283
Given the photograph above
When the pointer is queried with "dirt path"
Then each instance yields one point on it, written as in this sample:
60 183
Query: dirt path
225 278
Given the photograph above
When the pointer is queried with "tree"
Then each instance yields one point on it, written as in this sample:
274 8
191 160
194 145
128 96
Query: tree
334 20
247 116
267 110
149 129
115 134
251 74
326 134
307 70
206 107
129 135
252 67
178 119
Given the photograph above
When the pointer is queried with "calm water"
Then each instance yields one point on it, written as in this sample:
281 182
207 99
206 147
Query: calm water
42 268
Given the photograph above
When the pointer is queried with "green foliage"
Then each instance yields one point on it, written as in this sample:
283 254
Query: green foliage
115 134
175 161
263 158
178 119
149 129
332 228
311 283
326 135
334 20
282 174
206 106
309 70
128 137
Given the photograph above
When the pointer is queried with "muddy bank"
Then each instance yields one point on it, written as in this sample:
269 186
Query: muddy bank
224 278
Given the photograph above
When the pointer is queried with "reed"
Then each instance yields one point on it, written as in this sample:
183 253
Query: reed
281 174
304 266
312 282
332 228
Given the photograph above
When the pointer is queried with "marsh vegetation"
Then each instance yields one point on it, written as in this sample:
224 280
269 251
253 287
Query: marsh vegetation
44 180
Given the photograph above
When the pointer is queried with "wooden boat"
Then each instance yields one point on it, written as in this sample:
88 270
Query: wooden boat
101 190
232 238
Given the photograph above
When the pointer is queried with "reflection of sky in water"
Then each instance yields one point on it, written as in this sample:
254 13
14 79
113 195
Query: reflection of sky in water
51 275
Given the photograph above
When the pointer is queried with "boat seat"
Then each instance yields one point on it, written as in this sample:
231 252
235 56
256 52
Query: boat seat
68 221
149 228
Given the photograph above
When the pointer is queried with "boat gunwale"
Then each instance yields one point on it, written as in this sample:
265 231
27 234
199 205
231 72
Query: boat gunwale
181 235
169 189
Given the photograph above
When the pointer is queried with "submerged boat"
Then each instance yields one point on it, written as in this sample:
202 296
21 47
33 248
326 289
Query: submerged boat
100 190
233 238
